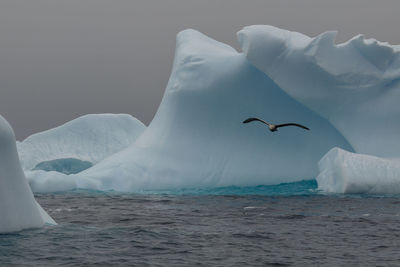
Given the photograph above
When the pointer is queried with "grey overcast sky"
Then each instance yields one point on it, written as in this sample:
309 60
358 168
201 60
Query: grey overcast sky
60 59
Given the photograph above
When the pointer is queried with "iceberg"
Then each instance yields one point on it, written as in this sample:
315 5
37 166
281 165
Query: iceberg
345 93
80 143
197 138
354 85
18 207
346 172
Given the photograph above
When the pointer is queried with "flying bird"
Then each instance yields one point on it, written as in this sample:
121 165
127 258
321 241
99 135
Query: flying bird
274 127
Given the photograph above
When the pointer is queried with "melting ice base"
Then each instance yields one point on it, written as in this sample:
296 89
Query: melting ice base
301 188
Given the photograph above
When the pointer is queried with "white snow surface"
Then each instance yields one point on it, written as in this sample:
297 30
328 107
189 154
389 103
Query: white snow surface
90 138
18 207
197 138
354 85
345 172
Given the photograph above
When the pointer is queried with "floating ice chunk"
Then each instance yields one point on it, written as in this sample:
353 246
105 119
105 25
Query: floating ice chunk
345 172
355 85
18 208
88 138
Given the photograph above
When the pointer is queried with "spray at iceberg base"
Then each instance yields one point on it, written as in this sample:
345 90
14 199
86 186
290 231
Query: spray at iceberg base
196 139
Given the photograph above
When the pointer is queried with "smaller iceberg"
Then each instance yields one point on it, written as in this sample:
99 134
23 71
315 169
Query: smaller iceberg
51 158
78 143
18 207
346 172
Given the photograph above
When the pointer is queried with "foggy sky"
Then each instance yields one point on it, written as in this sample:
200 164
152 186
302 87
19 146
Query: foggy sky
62 59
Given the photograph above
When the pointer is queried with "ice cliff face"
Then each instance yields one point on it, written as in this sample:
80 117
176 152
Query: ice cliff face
354 85
18 208
87 139
197 138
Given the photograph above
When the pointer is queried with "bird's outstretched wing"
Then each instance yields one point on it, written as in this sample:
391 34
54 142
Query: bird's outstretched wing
292 124
255 119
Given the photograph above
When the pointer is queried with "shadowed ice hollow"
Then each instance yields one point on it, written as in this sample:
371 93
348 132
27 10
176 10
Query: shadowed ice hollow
88 138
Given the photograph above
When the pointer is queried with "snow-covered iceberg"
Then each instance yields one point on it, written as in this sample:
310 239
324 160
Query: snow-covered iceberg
80 143
18 207
345 172
197 138
354 85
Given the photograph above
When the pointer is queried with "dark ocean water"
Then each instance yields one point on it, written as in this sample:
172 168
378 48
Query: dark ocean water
285 225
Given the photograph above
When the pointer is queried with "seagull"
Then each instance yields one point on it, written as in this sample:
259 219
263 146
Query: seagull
274 127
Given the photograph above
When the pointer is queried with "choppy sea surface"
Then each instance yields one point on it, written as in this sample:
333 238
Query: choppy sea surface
284 225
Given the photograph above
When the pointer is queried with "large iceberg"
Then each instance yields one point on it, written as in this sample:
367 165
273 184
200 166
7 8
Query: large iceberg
197 138
18 208
354 85
345 93
80 143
